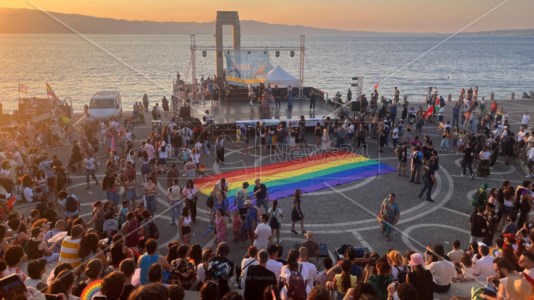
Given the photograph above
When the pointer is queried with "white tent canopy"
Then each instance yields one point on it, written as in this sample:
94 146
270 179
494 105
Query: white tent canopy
281 78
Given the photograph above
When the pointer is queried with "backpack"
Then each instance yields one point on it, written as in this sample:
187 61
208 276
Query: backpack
296 287
433 164
273 222
474 199
417 159
401 275
153 230
71 204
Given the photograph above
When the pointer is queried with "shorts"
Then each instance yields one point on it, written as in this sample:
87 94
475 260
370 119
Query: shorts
530 163
186 230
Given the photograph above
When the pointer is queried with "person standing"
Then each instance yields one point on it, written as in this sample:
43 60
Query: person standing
185 226
416 165
429 180
325 140
275 215
150 192
467 162
219 148
296 213
289 98
251 220
263 233
313 98
260 193
389 215
90 168
402 155
190 192
176 202
276 95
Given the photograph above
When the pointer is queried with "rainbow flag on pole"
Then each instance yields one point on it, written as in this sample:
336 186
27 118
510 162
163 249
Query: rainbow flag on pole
50 93
310 173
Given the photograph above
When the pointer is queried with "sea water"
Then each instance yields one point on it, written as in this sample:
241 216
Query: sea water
77 66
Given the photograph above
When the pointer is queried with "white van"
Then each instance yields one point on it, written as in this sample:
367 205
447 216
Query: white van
106 104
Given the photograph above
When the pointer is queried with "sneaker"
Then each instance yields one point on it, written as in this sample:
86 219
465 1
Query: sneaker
304 232
529 176
473 176
429 200
295 232
462 175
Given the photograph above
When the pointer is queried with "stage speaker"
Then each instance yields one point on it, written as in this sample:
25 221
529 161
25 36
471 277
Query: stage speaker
185 112
355 105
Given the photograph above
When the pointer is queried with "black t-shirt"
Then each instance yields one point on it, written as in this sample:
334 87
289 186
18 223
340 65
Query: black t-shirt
262 194
258 278
221 270
468 155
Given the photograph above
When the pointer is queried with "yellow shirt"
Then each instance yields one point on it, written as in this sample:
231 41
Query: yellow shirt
339 284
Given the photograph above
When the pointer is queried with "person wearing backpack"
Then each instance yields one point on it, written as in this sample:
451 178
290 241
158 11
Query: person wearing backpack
275 217
416 165
70 204
294 277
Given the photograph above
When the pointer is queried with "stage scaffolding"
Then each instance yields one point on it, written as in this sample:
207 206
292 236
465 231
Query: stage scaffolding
220 51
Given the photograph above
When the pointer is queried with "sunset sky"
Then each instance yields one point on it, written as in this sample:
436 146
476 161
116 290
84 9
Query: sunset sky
369 15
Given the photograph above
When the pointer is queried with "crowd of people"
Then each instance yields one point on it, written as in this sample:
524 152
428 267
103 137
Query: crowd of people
118 242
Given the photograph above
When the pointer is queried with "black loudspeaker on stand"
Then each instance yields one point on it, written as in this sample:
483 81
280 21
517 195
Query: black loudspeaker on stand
355 105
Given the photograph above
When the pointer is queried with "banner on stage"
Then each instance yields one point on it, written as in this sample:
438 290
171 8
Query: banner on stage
244 67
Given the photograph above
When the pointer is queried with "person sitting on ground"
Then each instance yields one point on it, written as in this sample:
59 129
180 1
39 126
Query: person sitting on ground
127 267
36 270
112 285
443 271
93 269
420 278
312 246
382 279
150 257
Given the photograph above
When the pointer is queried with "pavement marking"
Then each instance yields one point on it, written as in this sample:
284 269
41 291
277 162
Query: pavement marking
456 211
406 233
362 241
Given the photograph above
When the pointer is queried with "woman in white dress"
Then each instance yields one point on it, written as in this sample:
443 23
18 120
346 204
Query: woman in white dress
325 140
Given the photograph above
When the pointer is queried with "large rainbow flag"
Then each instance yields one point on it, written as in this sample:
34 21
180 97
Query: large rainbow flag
311 173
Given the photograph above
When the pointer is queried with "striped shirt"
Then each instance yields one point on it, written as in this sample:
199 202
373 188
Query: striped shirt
69 251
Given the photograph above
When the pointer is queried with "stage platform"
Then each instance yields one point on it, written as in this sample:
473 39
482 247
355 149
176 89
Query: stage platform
226 112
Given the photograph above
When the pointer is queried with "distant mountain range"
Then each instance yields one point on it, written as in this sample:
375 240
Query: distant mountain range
34 21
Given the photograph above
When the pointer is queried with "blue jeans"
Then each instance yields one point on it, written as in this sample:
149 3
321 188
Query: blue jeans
176 210
113 197
386 227
262 202
151 204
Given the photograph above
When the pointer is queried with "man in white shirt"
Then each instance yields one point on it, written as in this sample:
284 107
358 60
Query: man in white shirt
483 268
455 255
272 264
262 233
90 169
525 120
312 269
443 271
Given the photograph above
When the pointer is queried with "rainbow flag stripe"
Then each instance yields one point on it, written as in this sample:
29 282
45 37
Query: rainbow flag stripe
311 173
